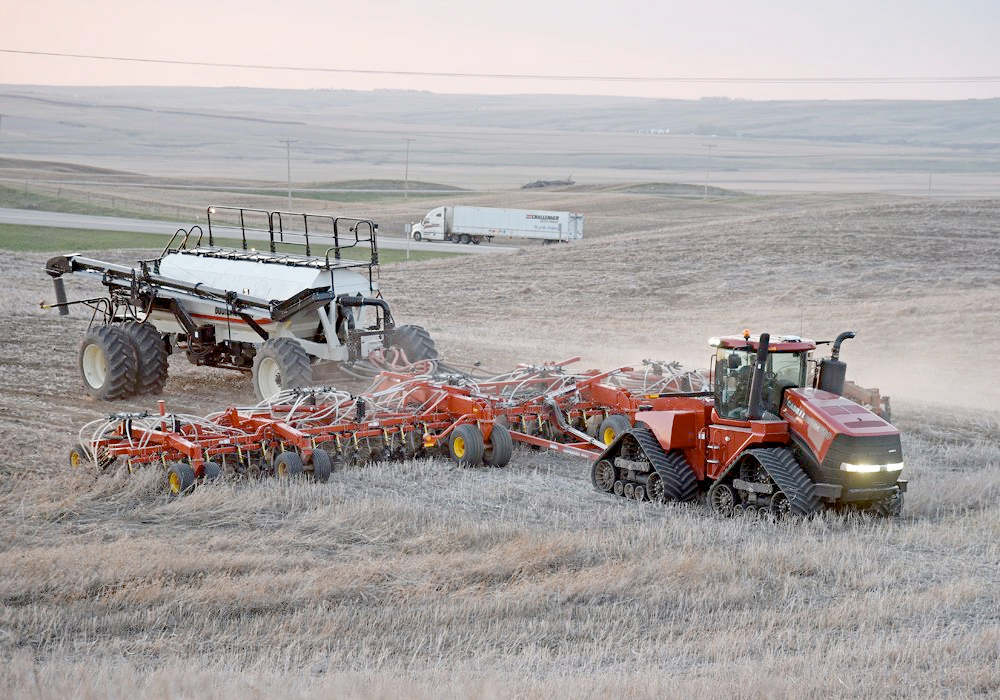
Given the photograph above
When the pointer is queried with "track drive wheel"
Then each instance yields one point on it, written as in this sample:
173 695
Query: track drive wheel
280 363
602 475
613 426
415 341
321 466
466 445
500 447
152 354
108 362
180 478
722 498
288 464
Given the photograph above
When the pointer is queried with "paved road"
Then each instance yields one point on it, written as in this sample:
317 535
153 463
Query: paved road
27 217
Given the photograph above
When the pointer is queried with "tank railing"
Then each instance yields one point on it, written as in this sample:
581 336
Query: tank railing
184 241
308 232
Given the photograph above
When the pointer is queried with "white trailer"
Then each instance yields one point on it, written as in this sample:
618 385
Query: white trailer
478 224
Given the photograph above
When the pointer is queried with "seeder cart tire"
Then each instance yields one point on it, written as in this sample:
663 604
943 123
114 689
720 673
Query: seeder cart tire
152 356
466 445
613 426
321 466
288 464
108 362
415 341
280 364
180 478
500 448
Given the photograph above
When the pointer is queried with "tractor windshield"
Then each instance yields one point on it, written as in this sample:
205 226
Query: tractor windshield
734 372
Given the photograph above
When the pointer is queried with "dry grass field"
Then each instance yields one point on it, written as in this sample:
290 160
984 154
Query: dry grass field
424 580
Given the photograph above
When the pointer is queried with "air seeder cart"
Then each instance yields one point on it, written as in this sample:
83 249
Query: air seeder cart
290 291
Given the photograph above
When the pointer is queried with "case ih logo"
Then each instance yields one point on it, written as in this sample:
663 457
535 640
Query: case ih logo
543 217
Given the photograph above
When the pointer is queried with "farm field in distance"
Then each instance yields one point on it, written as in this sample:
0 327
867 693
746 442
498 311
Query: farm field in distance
423 580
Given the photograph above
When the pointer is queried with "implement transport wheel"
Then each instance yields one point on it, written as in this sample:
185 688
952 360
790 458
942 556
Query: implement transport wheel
288 464
602 475
109 363
466 445
79 457
415 341
320 466
280 363
180 478
722 498
498 451
152 354
612 427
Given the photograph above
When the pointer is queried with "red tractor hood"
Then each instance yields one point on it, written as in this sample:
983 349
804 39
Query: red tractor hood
818 416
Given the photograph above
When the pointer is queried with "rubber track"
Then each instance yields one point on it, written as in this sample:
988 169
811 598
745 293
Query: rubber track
780 465
679 482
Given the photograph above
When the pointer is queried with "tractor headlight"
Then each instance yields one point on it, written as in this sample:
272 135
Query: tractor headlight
870 468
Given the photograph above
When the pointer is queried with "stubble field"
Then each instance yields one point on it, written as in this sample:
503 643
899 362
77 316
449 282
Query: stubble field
420 579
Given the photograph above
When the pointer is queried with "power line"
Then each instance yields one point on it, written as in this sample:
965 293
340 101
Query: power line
883 80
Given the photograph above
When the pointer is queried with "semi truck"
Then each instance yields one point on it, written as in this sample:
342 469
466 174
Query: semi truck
478 224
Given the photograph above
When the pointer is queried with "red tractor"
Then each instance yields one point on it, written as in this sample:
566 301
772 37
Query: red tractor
765 439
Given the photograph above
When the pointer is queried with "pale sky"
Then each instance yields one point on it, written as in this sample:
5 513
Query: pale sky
695 41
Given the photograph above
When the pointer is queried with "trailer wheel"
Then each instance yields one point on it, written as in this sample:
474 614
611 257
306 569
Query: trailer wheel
152 356
280 363
321 466
466 445
108 363
180 478
415 341
465 238
613 426
288 464
500 448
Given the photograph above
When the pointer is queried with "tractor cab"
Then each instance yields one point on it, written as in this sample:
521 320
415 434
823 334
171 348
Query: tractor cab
749 384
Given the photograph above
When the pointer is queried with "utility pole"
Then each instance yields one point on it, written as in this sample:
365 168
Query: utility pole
406 171
708 165
288 161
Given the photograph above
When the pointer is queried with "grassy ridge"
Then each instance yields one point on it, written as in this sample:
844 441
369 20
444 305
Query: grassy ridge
46 239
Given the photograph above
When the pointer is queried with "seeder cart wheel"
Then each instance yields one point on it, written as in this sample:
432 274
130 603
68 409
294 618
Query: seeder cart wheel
152 356
78 457
466 445
500 448
108 362
288 464
180 478
280 363
322 466
612 427
210 471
